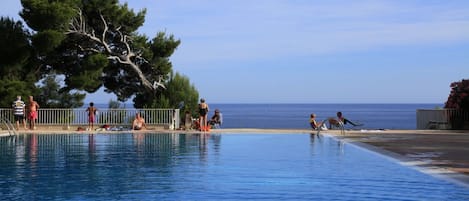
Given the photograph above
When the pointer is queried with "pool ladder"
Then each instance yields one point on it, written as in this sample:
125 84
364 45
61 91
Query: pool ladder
11 129
341 127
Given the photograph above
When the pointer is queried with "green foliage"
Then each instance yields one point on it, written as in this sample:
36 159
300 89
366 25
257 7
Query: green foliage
47 40
125 84
53 96
179 90
162 47
83 42
14 44
87 75
109 21
15 53
9 89
119 15
458 99
459 95
78 57
41 15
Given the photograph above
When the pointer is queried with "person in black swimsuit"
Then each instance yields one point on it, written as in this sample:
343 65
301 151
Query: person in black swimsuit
203 111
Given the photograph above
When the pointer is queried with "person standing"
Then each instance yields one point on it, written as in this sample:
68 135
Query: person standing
19 111
33 107
203 112
91 115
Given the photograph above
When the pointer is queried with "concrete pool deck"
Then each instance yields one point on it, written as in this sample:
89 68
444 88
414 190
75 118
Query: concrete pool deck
440 152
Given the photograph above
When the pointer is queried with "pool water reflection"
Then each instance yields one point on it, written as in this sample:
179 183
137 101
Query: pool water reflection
206 167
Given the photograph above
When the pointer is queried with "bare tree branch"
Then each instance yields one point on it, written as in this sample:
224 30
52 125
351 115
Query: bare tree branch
78 26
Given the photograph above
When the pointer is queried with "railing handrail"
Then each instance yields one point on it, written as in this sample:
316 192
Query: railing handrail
445 118
122 116
11 129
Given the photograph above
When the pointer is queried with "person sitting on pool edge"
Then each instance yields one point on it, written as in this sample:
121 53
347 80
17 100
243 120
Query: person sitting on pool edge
217 119
315 125
139 122
341 118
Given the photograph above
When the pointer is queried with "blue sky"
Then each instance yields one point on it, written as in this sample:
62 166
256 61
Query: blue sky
312 51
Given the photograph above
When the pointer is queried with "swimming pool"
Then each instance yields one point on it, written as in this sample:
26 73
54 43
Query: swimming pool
206 167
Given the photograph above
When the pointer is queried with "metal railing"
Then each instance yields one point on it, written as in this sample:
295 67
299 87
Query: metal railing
120 117
339 125
442 119
8 125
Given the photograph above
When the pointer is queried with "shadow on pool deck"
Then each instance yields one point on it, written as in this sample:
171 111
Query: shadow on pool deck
439 152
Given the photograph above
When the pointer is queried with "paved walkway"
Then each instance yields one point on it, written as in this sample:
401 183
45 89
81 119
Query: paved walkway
440 152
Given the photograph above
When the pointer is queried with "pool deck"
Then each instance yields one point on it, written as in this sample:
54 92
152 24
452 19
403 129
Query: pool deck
442 153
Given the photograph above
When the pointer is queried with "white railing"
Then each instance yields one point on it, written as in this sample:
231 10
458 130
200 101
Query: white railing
121 117
442 119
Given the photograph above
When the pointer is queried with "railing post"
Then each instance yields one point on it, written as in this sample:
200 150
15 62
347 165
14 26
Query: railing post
177 118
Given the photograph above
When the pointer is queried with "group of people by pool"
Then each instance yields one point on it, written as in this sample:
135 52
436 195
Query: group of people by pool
29 112
23 112
203 124
333 122
139 122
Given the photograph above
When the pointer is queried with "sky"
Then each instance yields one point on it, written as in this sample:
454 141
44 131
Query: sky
311 51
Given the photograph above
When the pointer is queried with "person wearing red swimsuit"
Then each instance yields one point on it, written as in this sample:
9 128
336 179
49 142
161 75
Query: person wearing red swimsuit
33 107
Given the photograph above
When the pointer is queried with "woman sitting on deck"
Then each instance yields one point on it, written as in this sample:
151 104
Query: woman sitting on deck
139 122
217 119
315 125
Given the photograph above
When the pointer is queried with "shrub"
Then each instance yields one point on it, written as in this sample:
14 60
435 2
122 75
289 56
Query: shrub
459 95
459 99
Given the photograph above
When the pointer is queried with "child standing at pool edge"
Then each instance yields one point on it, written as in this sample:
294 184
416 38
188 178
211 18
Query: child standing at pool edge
91 115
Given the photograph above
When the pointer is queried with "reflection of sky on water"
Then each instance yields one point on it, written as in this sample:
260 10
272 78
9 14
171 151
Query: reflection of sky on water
143 166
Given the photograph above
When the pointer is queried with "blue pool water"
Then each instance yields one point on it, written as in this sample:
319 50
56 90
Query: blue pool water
206 167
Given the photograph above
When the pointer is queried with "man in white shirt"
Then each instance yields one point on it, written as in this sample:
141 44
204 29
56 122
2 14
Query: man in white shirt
19 111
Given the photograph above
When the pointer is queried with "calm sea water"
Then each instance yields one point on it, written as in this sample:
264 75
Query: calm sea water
373 116
206 167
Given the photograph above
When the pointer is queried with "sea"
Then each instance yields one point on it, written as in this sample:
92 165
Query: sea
296 116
